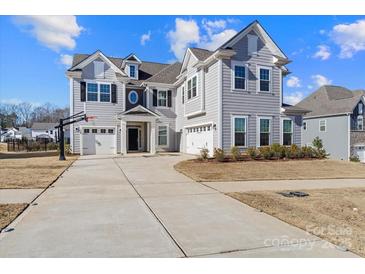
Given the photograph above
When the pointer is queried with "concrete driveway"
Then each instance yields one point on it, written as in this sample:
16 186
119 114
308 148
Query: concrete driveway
142 207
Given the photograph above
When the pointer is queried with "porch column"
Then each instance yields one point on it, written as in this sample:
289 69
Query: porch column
153 138
148 136
123 137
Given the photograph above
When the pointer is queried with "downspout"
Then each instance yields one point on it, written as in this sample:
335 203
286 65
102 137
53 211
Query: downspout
202 85
220 104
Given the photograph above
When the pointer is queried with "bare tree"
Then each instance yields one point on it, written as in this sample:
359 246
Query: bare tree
24 112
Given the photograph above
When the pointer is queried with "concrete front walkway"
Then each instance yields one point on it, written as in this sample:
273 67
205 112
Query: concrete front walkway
275 185
142 207
14 196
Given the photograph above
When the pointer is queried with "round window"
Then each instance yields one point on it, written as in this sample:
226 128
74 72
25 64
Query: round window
133 97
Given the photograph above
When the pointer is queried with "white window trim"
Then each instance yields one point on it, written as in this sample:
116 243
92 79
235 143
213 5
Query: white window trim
129 94
167 98
233 117
282 130
98 91
242 64
258 79
258 143
135 71
167 135
197 88
358 108
325 125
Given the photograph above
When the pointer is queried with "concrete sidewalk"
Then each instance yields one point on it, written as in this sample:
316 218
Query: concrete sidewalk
244 186
15 196
142 207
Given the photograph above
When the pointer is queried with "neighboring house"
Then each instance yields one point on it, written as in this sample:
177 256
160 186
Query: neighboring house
25 132
10 134
337 117
213 99
44 131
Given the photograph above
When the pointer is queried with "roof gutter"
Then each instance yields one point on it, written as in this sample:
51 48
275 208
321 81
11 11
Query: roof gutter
154 84
327 115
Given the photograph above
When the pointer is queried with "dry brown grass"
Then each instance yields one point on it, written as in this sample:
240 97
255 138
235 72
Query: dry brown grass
36 172
270 170
336 215
8 212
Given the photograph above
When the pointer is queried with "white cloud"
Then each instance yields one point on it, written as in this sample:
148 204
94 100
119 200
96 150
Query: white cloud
321 80
186 33
323 52
309 86
322 31
211 26
216 40
350 38
293 98
145 37
54 32
293 82
66 59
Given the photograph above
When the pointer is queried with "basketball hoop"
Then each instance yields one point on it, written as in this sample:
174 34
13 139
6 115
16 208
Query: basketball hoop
89 118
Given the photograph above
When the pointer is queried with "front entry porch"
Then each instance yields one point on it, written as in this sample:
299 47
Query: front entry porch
138 133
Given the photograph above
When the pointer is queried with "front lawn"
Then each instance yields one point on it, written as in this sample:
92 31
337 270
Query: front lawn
8 212
35 172
336 215
209 171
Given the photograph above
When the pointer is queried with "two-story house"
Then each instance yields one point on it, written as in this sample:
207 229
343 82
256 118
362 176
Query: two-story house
336 115
231 96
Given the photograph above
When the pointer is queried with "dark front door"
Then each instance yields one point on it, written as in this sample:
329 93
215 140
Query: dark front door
132 139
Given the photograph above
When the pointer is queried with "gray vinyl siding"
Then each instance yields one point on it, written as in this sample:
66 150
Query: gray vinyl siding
297 129
250 102
167 117
335 139
105 112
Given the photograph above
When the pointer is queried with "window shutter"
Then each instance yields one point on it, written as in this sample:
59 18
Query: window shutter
169 98
114 93
83 91
155 97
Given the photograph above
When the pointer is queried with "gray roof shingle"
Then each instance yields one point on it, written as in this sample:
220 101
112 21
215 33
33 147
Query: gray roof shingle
43 126
167 75
330 100
201 54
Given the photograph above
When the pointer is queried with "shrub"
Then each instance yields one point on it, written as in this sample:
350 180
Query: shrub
266 152
277 150
236 154
294 151
219 154
320 152
204 154
252 152
354 158
307 152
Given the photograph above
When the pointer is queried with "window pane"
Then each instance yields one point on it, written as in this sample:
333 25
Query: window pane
264 125
92 87
264 139
162 135
264 85
162 98
239 124
92 96
194 91
94 130
240 71
162 140
239 139
287 139
194 81
287 126
111 131
104 93
264 74
103 130
132 71
239 83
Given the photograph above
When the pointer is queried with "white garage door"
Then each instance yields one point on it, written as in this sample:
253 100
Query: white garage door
198 138
98 141
360 151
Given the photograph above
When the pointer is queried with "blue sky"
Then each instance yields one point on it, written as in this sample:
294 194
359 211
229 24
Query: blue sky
35 51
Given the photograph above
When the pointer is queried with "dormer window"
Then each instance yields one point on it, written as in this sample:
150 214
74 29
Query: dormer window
132 71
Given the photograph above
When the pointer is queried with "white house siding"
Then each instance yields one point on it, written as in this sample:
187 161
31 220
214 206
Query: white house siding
335 139
105 112
251 103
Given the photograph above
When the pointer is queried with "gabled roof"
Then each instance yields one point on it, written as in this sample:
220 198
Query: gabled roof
331 100
92 57
43 126
201 54
261 32
140 110
132 57
167 75
295 110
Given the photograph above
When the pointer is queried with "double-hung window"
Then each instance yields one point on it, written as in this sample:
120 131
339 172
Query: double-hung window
162 98
240 77
162 135
132 71
322 125
287 132
239 131
104 93
264 131
92 92
360 122
265 79
192 87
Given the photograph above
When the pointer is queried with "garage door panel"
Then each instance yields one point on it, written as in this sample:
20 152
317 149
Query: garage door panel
99 141
199 138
